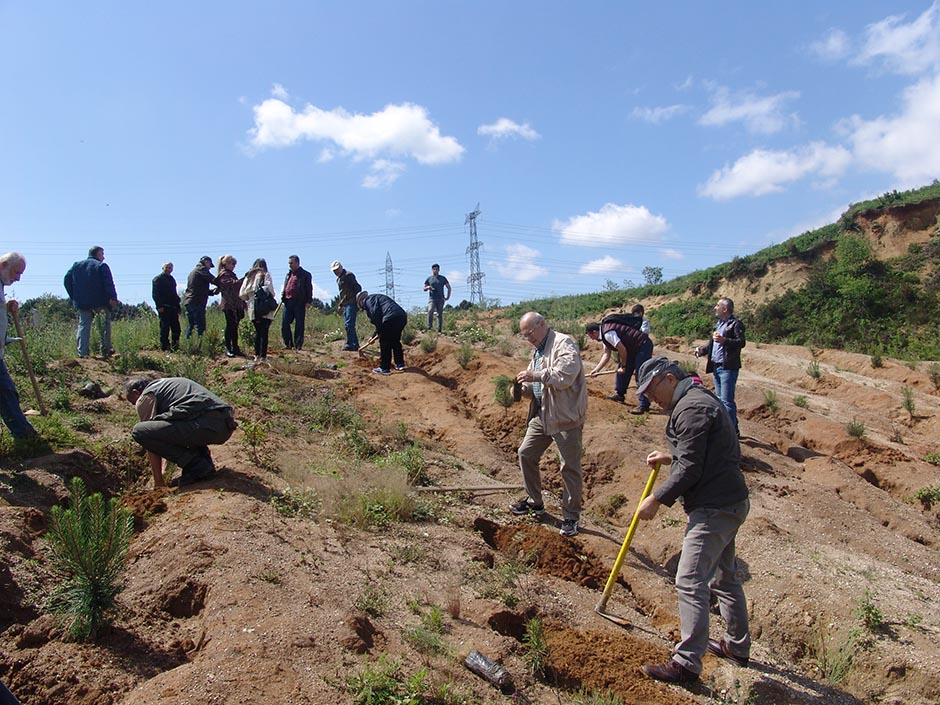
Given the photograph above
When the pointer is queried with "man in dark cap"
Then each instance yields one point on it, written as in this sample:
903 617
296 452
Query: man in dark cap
704 459
349 288
197 295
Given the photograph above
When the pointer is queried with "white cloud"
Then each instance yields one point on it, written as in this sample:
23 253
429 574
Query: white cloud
762 171
910 48
279 92
519 263
657 115
383 137
604 265
323 294
611 225
504 128
833 47
905 145
760 114
671 253
686 84
383 172
392 213
456 277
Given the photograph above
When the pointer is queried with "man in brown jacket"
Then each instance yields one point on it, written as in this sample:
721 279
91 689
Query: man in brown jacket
555 382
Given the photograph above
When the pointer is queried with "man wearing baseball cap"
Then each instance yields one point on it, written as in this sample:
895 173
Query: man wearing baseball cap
197 295
348 288
704 459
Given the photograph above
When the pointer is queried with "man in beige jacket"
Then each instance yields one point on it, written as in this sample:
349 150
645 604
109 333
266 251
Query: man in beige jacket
555 382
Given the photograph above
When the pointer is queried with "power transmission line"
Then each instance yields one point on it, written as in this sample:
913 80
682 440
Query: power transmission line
475 280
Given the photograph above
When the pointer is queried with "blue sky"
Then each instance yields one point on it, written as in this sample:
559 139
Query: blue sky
598 137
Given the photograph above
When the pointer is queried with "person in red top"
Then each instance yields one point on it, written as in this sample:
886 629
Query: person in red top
296 295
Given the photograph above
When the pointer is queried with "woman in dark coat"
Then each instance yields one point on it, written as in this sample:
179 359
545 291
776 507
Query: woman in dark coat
232 306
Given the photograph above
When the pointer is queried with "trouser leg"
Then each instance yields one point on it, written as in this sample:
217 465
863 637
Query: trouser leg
10 410
287 318
175 330
644 353
349 318
164 329
569 451
530 452
86 317
300 324
393 330
708 534
183 442
430 313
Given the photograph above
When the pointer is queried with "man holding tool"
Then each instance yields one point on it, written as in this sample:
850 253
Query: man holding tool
12 266
704 457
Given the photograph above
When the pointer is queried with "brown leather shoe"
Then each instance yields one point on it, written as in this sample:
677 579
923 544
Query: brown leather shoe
670 672
720 648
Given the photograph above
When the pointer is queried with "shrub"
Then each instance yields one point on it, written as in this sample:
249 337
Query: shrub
384 684
372 600
855 428
89 543
869 613
932 458
429 343
928 496
464 355
835 653
536 647
909 406
813 370
501 393
801 401
876 359
770 401
934 373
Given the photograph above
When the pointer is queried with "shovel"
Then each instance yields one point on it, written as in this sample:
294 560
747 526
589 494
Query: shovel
29 366
611 581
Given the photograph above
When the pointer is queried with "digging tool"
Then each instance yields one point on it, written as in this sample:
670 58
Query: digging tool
29 366
602 603
470 488
605 372
363 347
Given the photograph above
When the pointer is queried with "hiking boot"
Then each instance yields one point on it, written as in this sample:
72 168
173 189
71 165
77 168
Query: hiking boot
670 672
526 506
640 410
720 648
569 527
616 397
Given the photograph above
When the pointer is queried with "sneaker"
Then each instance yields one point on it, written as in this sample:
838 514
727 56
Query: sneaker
720 648
670 672
400 368
616 397
350 348
569 527
526 506
380 371
640 410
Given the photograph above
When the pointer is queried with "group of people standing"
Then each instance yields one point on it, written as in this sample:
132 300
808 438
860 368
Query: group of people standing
703 456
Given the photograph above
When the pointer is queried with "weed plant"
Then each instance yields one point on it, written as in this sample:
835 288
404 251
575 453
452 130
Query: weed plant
908 401
933 372
257 445
869 614
88 549
813 370
465 354
835 653
877 360
801 401
383 683
411 460
502 390
373 601
613 504
933 458
429 343
770 401
928 496
536 647
371 498
597 697
323 409
425 641
855 428
304 503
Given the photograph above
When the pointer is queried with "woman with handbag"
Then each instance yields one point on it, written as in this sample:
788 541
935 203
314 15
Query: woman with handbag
232 306
258 290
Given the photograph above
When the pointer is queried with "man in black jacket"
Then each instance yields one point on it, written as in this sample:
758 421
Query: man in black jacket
724 355
296 295
704 459
633 347
389 320
349 288
167 302
197 295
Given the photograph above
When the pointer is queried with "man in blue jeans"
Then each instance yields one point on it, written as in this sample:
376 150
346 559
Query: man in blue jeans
90 286
724 355
348 289
12 266
704 458
633 347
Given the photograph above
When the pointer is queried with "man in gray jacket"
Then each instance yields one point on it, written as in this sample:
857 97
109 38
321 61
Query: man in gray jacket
705 457
555 383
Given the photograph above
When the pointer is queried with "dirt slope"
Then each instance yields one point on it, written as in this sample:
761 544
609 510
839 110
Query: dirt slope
229 601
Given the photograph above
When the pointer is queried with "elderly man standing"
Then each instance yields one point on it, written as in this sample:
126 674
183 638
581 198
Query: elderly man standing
296 295
555 382
705 457
196 296
167 301
724 355
12 266
90 286
349 288
179 420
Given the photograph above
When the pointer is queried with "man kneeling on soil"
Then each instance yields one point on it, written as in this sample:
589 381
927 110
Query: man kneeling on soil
179 419
705 459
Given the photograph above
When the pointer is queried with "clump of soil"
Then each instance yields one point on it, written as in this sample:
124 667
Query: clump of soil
549 552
